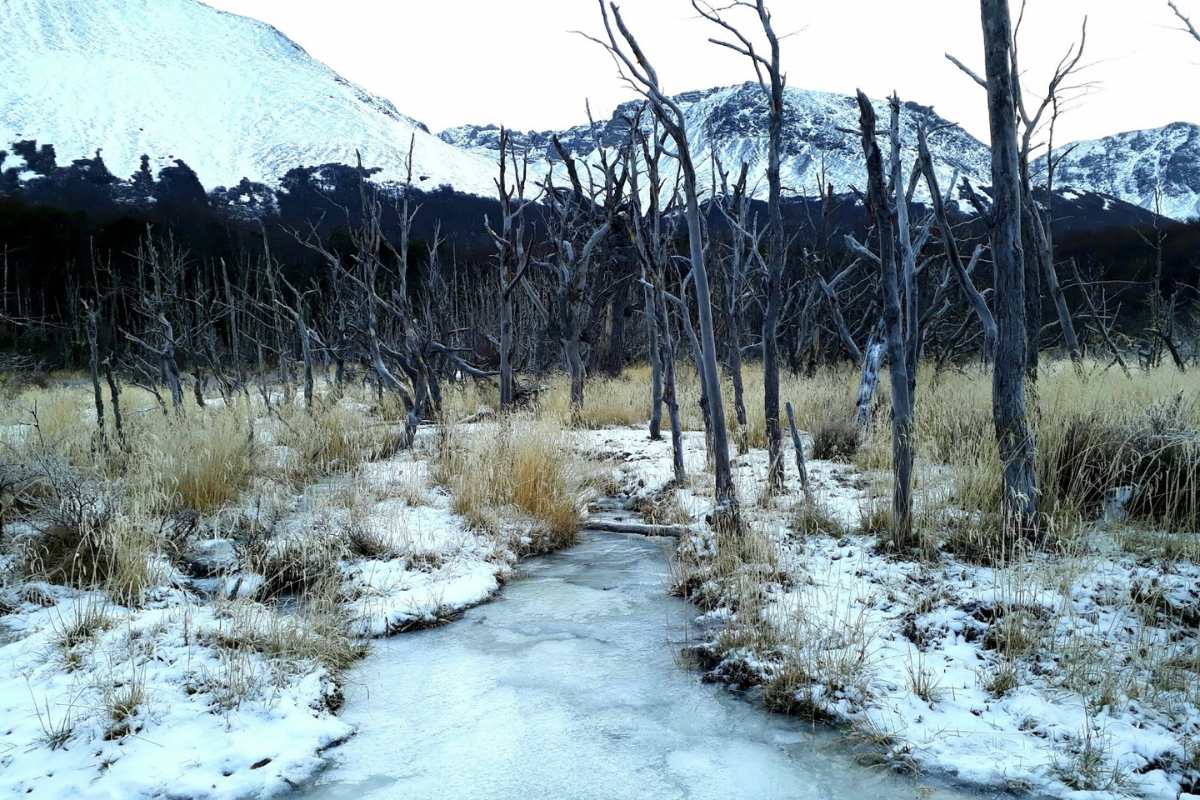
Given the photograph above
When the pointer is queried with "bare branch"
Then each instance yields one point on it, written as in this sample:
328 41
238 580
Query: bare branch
1188 27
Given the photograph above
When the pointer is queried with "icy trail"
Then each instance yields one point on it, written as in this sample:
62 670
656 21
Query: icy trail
567 686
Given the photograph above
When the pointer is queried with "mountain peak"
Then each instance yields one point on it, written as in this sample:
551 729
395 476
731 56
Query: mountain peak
177 79
1154 168
729 123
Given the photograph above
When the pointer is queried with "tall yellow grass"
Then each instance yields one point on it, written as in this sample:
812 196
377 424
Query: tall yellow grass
520 463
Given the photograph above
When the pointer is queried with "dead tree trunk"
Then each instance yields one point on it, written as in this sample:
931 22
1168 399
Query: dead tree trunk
652 348
771 79
642 75
93 339
899 340
670 398
114 397
798 447
1013 433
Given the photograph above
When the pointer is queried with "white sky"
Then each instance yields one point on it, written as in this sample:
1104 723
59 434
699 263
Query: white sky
516 62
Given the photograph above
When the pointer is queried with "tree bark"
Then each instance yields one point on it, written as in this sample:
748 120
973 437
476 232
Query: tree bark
900 364
1013 434
656 376
94 367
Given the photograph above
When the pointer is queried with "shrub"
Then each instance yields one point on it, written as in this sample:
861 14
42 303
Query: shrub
835 439
300 563
1159 468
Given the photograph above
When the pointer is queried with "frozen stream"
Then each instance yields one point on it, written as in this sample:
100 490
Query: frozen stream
567 686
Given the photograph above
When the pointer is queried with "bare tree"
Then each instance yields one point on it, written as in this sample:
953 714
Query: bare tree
653 232
579 220
640 73
159 271
773 82
1013 433
512 252
735 265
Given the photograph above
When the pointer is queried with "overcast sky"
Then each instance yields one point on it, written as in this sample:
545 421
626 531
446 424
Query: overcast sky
516 62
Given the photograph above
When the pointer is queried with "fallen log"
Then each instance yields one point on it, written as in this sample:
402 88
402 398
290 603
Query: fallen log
637 528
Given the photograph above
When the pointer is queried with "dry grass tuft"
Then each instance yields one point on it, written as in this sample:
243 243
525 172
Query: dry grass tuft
88 618
201 463
521 464
814 519
835 439
301 563
317 630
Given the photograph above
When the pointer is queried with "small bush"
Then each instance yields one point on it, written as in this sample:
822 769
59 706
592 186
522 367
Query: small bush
87 541
300 563
812 519
835 439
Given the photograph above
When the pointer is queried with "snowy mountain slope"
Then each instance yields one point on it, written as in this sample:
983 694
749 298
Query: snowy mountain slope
235 98
820 138
821 141
1131 165
231 96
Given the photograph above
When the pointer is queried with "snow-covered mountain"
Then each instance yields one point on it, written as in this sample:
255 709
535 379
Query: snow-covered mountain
821 143
235 98
1133 165
231 96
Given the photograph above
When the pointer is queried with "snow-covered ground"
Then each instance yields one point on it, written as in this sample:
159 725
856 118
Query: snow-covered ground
1063 675
151 704
210 690
1057 674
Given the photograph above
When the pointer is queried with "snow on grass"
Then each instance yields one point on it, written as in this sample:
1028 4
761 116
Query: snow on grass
151 702
226 684
438 568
